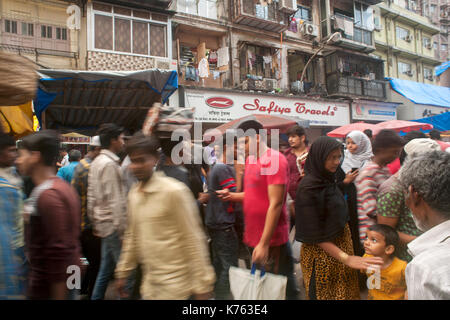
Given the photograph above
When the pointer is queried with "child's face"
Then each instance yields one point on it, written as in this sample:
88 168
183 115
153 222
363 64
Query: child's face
375 245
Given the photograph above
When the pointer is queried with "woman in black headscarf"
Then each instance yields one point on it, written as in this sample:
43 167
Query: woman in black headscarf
327 258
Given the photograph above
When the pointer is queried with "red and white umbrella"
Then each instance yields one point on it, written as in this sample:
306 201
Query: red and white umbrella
405 126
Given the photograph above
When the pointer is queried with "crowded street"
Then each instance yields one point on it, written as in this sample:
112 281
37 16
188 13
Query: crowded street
224 151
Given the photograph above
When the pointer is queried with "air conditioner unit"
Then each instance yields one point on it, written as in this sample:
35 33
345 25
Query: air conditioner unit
310 30
270 84
288 6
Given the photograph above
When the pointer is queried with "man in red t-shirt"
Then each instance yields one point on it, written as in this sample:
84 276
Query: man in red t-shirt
266 180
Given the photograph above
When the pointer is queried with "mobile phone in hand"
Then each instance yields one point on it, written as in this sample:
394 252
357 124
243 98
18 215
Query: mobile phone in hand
354 169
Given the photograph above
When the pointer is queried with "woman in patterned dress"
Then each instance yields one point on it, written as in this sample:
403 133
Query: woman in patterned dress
327 258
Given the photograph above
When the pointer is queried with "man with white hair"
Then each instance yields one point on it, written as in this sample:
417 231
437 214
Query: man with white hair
426 179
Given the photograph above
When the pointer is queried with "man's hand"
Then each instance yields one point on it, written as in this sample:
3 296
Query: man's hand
203 197
203 296
120 286
224 194
260 254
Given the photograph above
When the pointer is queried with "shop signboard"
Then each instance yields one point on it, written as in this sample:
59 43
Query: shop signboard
221 107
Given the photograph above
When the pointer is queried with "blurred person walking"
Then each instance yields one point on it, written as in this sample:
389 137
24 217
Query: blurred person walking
52 215
90 244
164 233
106 203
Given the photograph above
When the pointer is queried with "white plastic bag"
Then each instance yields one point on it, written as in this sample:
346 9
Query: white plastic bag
256 285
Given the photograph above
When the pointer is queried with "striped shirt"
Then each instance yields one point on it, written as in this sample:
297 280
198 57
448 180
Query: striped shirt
367 184
428 274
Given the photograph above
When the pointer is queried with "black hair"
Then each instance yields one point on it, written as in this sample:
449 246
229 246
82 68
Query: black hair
107 132
435 134
297 130
46 142
386 139
140 142
251 124
167 145
6 141
409 137
74 155
91 148
390 235
368 133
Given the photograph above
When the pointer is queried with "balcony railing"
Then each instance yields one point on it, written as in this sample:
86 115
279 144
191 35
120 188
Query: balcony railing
345 85
267 17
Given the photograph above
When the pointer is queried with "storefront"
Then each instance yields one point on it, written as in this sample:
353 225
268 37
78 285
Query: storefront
214 107
373 111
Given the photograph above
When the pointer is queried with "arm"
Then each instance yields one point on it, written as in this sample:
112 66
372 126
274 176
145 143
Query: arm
354 262
276 199
128 257
226 195
366 203
187 219
58 245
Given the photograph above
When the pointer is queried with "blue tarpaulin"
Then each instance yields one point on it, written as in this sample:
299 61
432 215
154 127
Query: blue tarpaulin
440 122
76 100
440 69
422 93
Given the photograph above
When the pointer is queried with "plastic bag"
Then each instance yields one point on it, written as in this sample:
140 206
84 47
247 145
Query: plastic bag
256 285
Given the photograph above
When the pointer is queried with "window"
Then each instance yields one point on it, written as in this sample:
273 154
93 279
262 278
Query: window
428 74
432 9
426 42
46 32
61 33
203 8
363 16
257 62
404 68
444 47
412 5
27 29
435 45
303 13
140 32
11 26
402 33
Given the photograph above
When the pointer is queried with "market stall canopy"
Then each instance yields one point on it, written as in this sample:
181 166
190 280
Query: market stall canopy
422 93
404 126
283 123
343 131
440 122
82 100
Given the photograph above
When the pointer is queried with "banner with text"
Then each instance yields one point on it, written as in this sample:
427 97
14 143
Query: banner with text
220 107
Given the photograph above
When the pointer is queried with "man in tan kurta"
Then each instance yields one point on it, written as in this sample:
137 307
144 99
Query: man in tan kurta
164 233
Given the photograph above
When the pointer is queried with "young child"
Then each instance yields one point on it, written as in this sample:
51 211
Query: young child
387 282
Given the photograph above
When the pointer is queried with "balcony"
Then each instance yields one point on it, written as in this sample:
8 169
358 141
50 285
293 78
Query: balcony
344 86
147 4
267 17
353 37
352 75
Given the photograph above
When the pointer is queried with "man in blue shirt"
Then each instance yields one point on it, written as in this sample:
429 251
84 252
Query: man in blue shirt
66 172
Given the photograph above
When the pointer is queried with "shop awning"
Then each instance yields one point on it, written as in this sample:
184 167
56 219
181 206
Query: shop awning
17 120
82 100
440 69
440 122
421 93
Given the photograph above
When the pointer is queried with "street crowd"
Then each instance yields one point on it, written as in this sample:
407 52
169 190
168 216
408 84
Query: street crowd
371 213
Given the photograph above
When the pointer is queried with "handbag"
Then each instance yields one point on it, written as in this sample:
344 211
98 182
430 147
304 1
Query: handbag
256 284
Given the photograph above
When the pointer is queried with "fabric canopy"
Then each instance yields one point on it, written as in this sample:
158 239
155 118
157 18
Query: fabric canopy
422 93
440 69
17 120
440 122
82 100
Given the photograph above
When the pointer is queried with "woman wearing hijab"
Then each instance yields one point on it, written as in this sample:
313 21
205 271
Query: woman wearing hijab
327 258
358 152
